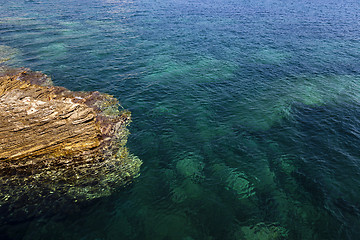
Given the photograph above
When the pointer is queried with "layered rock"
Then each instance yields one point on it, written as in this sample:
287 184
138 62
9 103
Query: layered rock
58 146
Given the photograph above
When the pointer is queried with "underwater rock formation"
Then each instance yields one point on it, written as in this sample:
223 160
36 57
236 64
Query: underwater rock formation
185 180
262 231
234 180
58 146
7 54
191 167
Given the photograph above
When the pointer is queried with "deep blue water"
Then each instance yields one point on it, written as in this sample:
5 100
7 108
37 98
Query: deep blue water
246 114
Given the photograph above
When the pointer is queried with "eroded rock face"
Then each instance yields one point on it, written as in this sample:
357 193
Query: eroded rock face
58 146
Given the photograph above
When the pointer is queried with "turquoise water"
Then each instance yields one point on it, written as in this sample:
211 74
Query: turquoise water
246 114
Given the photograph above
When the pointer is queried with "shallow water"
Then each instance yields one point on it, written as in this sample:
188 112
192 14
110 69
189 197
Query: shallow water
245 113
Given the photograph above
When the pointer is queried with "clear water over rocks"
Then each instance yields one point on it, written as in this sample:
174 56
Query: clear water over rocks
245 113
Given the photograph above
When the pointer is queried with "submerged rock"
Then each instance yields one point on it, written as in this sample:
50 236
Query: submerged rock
187 190
262 231
7 53
191 167
234 180
58 146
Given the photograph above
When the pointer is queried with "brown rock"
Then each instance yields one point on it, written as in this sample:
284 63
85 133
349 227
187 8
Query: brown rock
58 146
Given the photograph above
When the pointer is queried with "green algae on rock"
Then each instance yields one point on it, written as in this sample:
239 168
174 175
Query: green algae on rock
58 146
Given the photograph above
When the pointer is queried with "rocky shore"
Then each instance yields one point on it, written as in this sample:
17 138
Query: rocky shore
58 147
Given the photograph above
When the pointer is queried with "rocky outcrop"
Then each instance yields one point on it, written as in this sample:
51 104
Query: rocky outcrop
58 146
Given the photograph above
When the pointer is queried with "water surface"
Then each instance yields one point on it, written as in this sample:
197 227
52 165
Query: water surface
245 113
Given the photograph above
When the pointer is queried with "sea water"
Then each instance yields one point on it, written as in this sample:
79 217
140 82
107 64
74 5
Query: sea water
246 114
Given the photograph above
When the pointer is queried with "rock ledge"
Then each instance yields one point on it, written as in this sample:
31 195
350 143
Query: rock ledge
58 146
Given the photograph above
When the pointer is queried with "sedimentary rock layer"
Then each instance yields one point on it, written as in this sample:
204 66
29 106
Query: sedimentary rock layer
58 146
